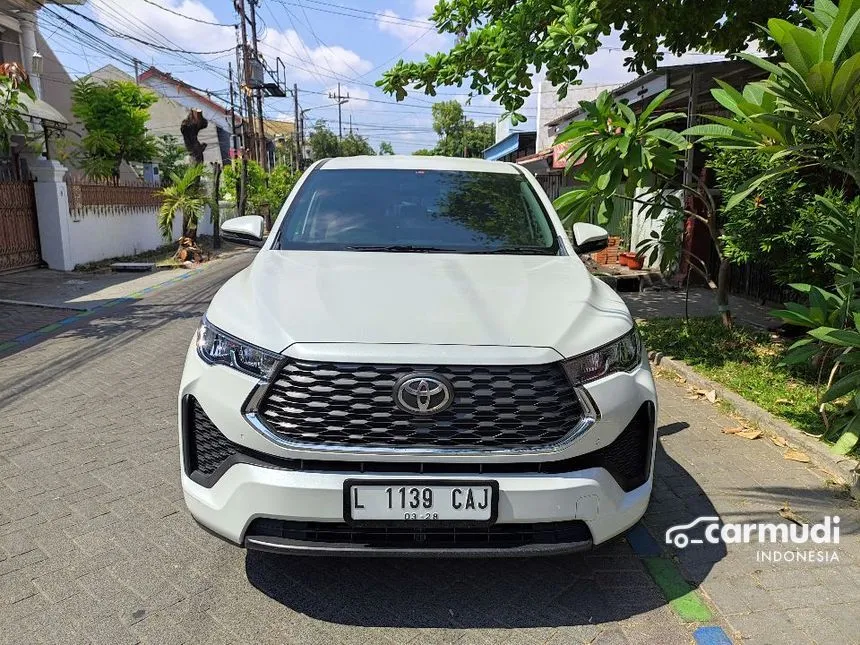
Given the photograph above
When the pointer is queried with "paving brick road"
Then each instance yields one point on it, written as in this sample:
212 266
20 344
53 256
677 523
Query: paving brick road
96 544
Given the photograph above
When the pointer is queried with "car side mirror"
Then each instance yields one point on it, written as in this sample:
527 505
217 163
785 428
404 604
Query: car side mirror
247 230
588 238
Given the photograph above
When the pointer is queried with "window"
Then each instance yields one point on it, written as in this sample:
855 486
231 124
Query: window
417 210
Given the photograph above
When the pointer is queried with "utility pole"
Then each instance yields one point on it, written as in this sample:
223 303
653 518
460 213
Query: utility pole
234 139
296 126
250 135
136 71
341 99
242 180
263 153
350 124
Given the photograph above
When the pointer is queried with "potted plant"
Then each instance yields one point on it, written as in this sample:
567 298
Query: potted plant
634 261
623 256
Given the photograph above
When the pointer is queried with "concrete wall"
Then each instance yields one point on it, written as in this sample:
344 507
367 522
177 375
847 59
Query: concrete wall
99 232
549 108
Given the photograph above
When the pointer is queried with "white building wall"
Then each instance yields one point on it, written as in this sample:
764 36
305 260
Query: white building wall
642 225
101 232
549 107
171 91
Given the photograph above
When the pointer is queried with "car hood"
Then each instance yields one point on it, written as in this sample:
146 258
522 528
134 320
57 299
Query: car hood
287 297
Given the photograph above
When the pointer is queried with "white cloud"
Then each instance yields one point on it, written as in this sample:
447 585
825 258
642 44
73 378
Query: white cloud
419 34
303 60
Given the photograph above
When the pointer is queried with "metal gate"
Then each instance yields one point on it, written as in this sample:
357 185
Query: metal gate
19 232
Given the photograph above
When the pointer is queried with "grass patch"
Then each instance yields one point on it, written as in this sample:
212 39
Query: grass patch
743 360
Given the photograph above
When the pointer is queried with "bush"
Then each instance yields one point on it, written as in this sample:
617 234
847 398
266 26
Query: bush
778 227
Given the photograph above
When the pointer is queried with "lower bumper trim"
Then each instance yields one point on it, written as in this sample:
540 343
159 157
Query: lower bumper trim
331 549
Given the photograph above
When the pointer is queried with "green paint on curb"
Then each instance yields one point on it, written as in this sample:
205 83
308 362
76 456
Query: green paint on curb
681 596
49 328
5 346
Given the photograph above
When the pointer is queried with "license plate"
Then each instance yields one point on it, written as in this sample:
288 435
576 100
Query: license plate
405 501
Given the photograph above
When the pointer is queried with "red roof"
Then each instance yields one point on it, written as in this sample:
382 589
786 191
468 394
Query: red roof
153 72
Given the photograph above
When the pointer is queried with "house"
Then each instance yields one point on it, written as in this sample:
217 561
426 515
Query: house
23 51
217 135
691 86
511 142
548 163
50 113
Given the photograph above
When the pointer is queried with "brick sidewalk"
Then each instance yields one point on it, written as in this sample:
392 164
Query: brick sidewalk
96 544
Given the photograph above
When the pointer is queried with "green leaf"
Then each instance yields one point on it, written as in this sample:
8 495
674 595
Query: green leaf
845 80
656 102
839 337
850 435
670 136
842 387
749 186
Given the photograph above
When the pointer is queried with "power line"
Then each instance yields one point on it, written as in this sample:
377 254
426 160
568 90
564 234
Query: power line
182 15
372 15
116 34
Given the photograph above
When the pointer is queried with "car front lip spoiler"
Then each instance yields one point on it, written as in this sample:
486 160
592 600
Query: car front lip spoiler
334 549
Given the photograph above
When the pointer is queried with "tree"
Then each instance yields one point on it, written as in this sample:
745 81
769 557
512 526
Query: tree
324 143
171 158
458 136
185 196
353 145
806 117
13 83
500 43
424 152
385 148
281 182
115 115
255 187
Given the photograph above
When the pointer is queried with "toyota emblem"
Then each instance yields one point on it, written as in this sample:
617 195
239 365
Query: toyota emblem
423 393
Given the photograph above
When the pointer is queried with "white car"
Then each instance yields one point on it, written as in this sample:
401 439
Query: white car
417 363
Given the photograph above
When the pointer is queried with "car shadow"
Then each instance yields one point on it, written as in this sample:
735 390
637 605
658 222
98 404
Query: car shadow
607 584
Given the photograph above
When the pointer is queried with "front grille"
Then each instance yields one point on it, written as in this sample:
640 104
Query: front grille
205 447
352 405
489 537
208 454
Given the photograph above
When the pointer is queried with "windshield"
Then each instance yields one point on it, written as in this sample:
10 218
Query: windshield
417 211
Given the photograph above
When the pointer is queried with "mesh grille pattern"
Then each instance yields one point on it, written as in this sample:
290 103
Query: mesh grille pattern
207 447
520 406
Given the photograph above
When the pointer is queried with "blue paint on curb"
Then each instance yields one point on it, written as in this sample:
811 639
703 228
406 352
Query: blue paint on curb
711 635
642 542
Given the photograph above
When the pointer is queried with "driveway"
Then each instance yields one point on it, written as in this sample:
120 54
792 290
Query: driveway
96 544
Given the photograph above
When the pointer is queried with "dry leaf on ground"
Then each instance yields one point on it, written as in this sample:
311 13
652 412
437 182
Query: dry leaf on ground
779 441
733 430
711 396
787 514
750 434
783 402
796 455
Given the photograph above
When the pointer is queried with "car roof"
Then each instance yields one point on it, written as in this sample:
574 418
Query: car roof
417 162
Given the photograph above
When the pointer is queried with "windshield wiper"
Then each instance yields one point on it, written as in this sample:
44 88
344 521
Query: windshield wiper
399 248
519 250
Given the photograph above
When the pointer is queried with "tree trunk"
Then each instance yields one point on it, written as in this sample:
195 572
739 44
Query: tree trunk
723 278
216 211
190 129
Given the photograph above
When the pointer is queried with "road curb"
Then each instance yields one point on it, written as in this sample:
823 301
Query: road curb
845 469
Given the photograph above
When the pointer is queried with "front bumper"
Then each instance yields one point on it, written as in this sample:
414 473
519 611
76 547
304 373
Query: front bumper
303 488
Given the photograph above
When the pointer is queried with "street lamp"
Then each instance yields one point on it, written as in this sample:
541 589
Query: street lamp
38 64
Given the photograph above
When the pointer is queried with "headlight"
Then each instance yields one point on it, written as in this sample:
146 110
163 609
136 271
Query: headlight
220 348
622 355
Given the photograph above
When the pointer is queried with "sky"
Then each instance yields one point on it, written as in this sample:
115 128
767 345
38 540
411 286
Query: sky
319 42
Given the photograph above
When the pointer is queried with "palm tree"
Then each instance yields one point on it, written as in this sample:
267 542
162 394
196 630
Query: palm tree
185 194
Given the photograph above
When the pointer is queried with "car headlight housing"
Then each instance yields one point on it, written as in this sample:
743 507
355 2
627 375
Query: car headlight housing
217 347
622 355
